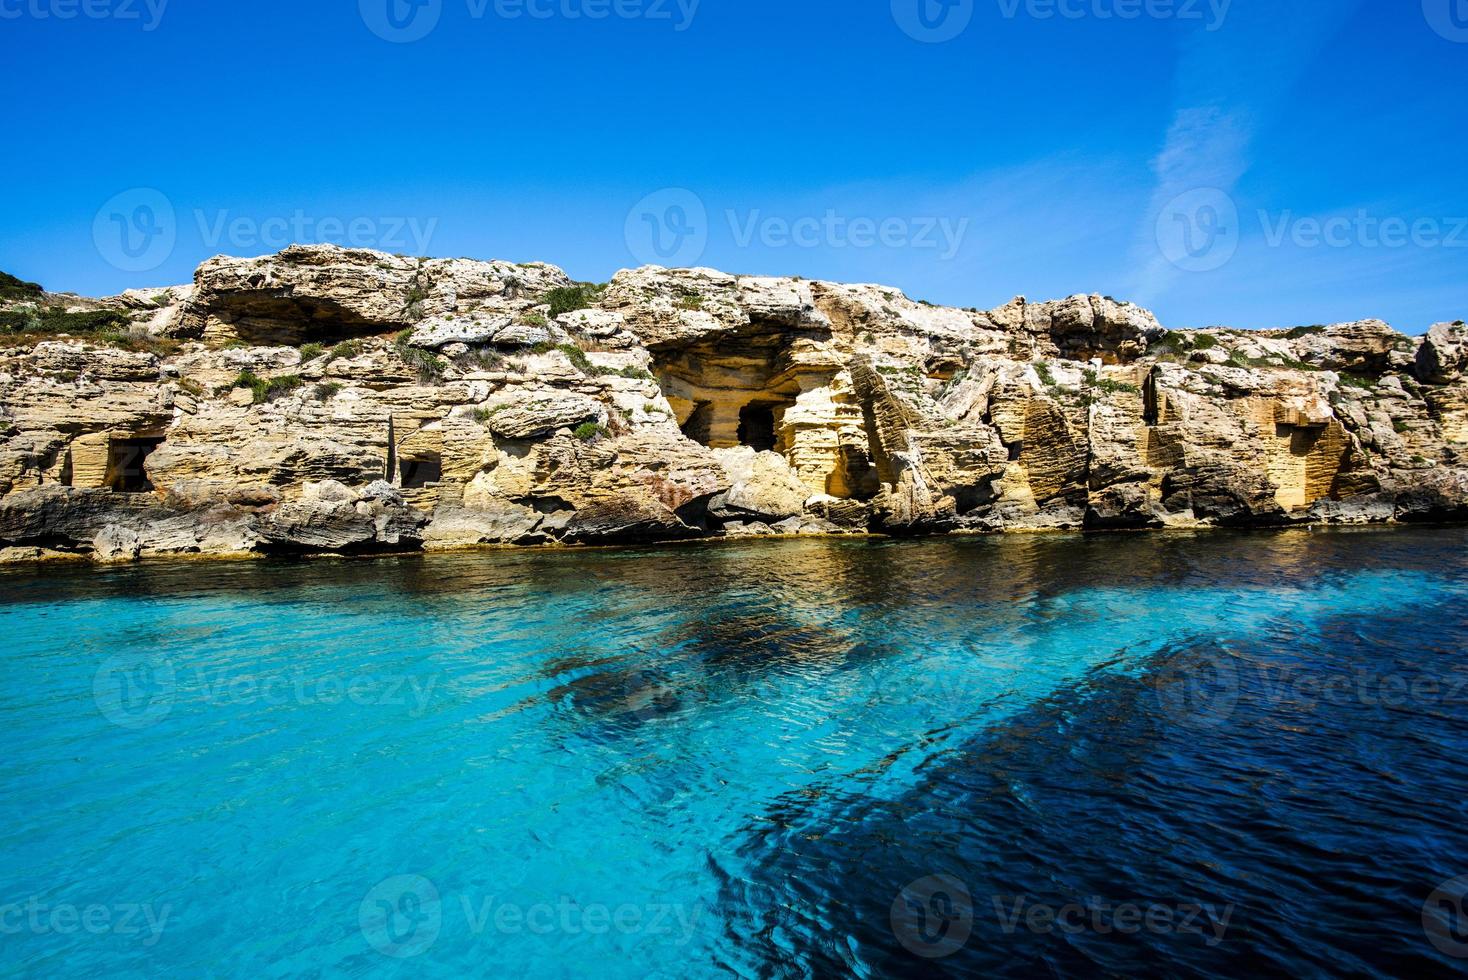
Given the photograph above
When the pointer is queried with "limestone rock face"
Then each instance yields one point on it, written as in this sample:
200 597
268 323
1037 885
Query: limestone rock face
1443 356
477 328
543 416
337 400
764 488
323 293
1367 347
116 543
1084 327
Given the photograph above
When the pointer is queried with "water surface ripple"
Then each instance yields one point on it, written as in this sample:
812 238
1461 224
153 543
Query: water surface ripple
1176 755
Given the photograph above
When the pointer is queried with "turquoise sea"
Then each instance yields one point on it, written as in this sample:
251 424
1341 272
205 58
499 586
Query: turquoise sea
1179 754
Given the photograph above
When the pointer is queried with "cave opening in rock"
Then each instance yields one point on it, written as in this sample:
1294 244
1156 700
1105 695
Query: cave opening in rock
699 425
417 472
127 470
757 428
732 387
268 317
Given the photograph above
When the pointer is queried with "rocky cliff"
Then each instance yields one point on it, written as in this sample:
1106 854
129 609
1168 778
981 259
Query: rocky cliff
335 400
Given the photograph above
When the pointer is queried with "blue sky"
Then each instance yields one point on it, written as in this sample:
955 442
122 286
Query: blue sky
1250 163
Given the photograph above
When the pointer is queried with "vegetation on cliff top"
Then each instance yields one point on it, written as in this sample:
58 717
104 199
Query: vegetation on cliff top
12 288
51 320
111 328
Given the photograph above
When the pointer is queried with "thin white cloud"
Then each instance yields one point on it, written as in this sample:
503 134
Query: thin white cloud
1227 81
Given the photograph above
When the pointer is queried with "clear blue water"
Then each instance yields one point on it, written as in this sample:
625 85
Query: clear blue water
746 760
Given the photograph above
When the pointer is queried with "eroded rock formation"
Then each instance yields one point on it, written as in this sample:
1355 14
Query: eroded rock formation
341 400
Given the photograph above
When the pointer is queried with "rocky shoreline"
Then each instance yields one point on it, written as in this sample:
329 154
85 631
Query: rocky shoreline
326 400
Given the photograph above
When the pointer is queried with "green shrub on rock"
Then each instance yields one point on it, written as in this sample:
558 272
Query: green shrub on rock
569 299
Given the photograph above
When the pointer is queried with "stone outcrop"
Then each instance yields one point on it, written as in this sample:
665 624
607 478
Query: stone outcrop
333 400
1443 356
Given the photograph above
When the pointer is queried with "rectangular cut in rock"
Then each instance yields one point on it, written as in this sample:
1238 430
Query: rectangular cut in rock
1304 461
1324 462
467 448
89 456
420 463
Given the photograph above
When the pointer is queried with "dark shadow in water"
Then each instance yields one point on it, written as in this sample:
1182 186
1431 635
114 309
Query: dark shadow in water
1222 777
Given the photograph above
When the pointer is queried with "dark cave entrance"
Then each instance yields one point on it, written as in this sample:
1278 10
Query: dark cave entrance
757 428
420 470
700 424
127 470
